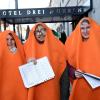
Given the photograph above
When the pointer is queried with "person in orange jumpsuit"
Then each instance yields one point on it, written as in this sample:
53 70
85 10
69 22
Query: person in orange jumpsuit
83 53
11 57
41 42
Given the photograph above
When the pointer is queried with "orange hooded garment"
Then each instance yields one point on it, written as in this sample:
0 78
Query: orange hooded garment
11 85
54 50
84 55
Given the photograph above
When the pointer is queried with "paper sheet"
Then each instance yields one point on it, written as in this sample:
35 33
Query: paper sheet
35 74
93 80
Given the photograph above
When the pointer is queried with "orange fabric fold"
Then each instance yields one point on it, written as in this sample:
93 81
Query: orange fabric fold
55 51
84 56
11 85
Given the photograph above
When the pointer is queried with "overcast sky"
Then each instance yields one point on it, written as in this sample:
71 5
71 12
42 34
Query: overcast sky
10 4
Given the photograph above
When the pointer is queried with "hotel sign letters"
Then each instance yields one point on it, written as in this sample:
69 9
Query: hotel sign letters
56 11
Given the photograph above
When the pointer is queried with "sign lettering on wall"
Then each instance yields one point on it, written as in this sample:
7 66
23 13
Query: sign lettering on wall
57 11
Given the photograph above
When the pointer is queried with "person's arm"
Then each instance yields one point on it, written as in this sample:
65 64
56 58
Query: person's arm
65 85
73 73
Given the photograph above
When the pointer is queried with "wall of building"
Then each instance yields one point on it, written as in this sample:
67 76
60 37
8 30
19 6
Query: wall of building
60 27
95 13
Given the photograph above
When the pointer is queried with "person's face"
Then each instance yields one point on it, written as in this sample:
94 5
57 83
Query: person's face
85 27
40 33
10 40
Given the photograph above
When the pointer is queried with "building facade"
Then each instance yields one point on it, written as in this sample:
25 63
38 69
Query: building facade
67 26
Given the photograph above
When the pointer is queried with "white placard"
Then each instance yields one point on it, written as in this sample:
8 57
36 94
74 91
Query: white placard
35 74
94 81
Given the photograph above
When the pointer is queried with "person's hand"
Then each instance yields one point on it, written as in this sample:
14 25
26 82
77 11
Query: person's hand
78 74
32 60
